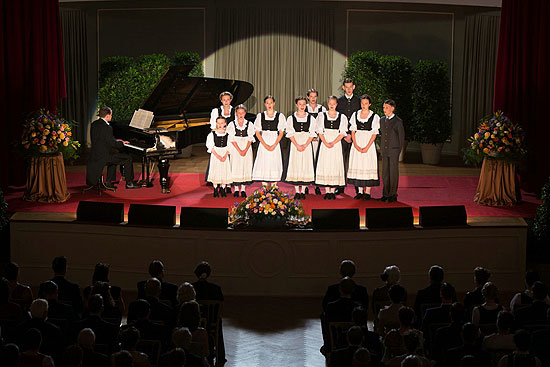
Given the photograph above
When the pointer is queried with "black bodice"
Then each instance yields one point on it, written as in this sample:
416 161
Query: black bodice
367 125
220 141
241 133
334 125
300 126
270 125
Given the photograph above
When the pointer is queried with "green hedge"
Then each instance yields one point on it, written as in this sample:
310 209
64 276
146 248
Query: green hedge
541 224
126 82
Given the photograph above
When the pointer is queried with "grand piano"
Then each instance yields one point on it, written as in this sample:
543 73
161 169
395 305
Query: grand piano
181 105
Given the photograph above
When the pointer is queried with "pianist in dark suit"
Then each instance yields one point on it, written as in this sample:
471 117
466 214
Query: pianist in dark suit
105 152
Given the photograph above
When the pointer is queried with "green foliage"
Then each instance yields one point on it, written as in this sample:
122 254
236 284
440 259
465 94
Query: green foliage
4 219
125 90
189 58
431 102
396 77
541 225
112 65
364 69
126 82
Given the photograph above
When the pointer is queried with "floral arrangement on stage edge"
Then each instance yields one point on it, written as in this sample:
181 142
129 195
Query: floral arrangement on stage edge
46 133
496 138
268 203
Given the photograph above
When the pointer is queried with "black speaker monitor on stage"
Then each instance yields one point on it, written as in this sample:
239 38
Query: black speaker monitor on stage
96 211
442 216
152 215
194 217
335 219
389 217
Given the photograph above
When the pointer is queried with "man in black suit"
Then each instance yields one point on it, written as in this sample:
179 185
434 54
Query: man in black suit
392 135
475 298
105 332
141 310
359 293
181 338
431 294
68 292
168 291
371 340
347 105
440 314
104 152
537 312
344 356
56 310
91 358
449 336
159 311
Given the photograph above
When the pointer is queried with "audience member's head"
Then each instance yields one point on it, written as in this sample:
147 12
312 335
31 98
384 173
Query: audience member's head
39 308
123 359
436 274
139 310
4 291
59 265
10 355
531 276
481 275
181 337
104 289
176 358
346 287
153 287
11 271
411 361
412 342
359 315
490 292
448 293
95 304
86 339
397 294
361 358
101 273
347 268
189 315
48 290
469 333
391 275
457 312
406 316
355 336
73 356
203 270
470 361
129 337
505 322
32 339
156 269
522 340
186 293
540 291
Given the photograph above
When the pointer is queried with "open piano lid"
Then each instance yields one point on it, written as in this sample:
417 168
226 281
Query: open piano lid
178 95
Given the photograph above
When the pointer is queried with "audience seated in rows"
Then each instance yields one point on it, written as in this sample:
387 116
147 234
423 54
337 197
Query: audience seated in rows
8 310
394 340
470 333
141 311
371 340
487 312
411 342
168 290
521 355
344 356
442 313
160 311
34 355
105 332
525 298
73 356
56 310
123 359
388 317
19 293
381 296
90 358
537 311
189 317
129 338
359 293
101 275
68 291
181 339
449 336
475 297
362 358
431 294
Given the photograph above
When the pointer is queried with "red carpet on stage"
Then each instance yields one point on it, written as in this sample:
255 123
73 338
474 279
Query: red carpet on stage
189 189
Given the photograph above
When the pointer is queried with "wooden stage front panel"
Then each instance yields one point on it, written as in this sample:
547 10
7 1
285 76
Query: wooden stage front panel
291 263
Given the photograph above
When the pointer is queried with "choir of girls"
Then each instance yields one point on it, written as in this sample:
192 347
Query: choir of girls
315 154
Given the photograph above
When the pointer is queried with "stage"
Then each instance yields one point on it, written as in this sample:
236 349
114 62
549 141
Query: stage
275 263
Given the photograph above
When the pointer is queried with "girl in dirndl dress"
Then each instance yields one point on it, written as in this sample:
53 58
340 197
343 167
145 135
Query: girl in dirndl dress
241 137
363 161
225 110
332 127
314 109
219 166
300 130
270 127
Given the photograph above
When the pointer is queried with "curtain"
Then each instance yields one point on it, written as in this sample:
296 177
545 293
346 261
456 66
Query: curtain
282 52
480 56
75 106
31 72
523 79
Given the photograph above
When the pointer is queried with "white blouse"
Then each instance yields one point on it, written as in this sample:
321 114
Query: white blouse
234 126
214 115
319 108
342 129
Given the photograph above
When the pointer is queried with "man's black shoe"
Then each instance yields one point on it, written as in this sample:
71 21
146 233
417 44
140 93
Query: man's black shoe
358 197
236 194
366 197
306 191
339 190
223 192
333 196
392 199
356 190
243 194
216 193
384 199
317 190
228 189
132 185
326 197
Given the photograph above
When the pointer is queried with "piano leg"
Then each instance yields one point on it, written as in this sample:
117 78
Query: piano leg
145 181
164 165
